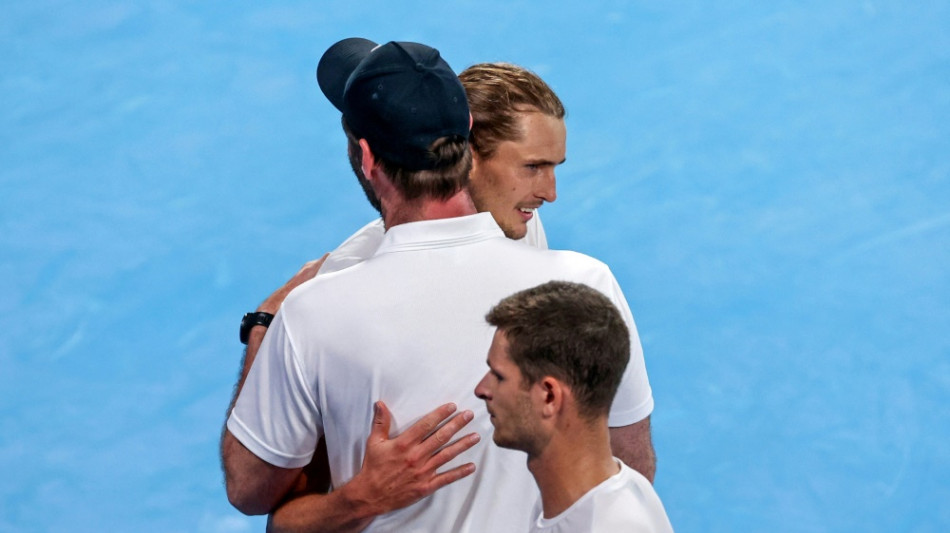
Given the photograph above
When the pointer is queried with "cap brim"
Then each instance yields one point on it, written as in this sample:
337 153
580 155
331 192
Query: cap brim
336 65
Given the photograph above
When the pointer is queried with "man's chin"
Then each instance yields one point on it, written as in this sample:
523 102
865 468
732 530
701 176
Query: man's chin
501 443
518 232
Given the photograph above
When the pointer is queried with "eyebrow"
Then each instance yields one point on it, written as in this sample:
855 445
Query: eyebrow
545 162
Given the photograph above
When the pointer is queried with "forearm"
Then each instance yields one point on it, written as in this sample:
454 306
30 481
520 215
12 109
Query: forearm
254 486
643 462
317 513
633 445
254 341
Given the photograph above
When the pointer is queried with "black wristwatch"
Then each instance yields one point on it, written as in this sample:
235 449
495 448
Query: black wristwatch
250 320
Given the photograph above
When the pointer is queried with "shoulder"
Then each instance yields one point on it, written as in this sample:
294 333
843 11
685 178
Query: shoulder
357 248
633 500
592 269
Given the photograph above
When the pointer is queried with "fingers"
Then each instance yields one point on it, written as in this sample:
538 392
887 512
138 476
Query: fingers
447 453
399 471
429 440
427 424
444 434
450 476
382 419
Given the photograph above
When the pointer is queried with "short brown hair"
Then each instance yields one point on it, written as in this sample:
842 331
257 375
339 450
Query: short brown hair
571 332
496 93
453 163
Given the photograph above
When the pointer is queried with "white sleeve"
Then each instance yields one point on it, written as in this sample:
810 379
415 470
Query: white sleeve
275 415
634 399
356 248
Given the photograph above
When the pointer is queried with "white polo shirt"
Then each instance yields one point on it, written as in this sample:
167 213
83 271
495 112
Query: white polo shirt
407 327
623 502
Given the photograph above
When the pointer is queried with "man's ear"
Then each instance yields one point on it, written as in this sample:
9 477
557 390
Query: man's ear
475 160
368 161
550 395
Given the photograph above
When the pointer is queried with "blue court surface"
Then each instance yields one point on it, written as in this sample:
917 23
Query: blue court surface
769 181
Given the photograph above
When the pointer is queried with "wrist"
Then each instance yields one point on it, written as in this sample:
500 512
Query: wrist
255 337
355 498
251 321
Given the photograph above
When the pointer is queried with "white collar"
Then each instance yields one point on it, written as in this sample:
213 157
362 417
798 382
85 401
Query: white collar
439 233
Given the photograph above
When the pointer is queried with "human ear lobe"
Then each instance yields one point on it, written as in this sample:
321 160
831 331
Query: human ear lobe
551 395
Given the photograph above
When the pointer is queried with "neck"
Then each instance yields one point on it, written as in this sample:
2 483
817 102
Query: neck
401 212
575 461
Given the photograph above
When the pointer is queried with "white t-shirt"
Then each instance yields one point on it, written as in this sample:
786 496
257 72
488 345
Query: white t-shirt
407 327
363 244
624 502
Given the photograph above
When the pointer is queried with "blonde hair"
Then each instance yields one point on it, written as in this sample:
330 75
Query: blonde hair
497 93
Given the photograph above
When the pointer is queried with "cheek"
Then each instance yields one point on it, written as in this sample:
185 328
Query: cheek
503 183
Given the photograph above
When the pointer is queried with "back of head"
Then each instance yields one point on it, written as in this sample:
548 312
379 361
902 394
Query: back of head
497 93
571 332
408 104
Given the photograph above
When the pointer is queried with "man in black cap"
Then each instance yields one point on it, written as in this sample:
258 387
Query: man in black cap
404 327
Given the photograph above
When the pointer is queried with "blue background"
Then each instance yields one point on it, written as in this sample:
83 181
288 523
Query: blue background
770 182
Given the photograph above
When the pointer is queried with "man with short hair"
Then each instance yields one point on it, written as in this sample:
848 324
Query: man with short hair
518 138
555 364
401 326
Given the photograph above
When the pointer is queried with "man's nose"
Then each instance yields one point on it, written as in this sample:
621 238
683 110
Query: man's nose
547 188
481 391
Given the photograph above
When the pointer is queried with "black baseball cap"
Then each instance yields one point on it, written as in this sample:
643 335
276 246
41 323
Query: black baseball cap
399 96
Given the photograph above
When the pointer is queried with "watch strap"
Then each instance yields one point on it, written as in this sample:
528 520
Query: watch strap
257 318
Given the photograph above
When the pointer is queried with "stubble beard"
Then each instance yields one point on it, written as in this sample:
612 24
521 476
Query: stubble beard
524 432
